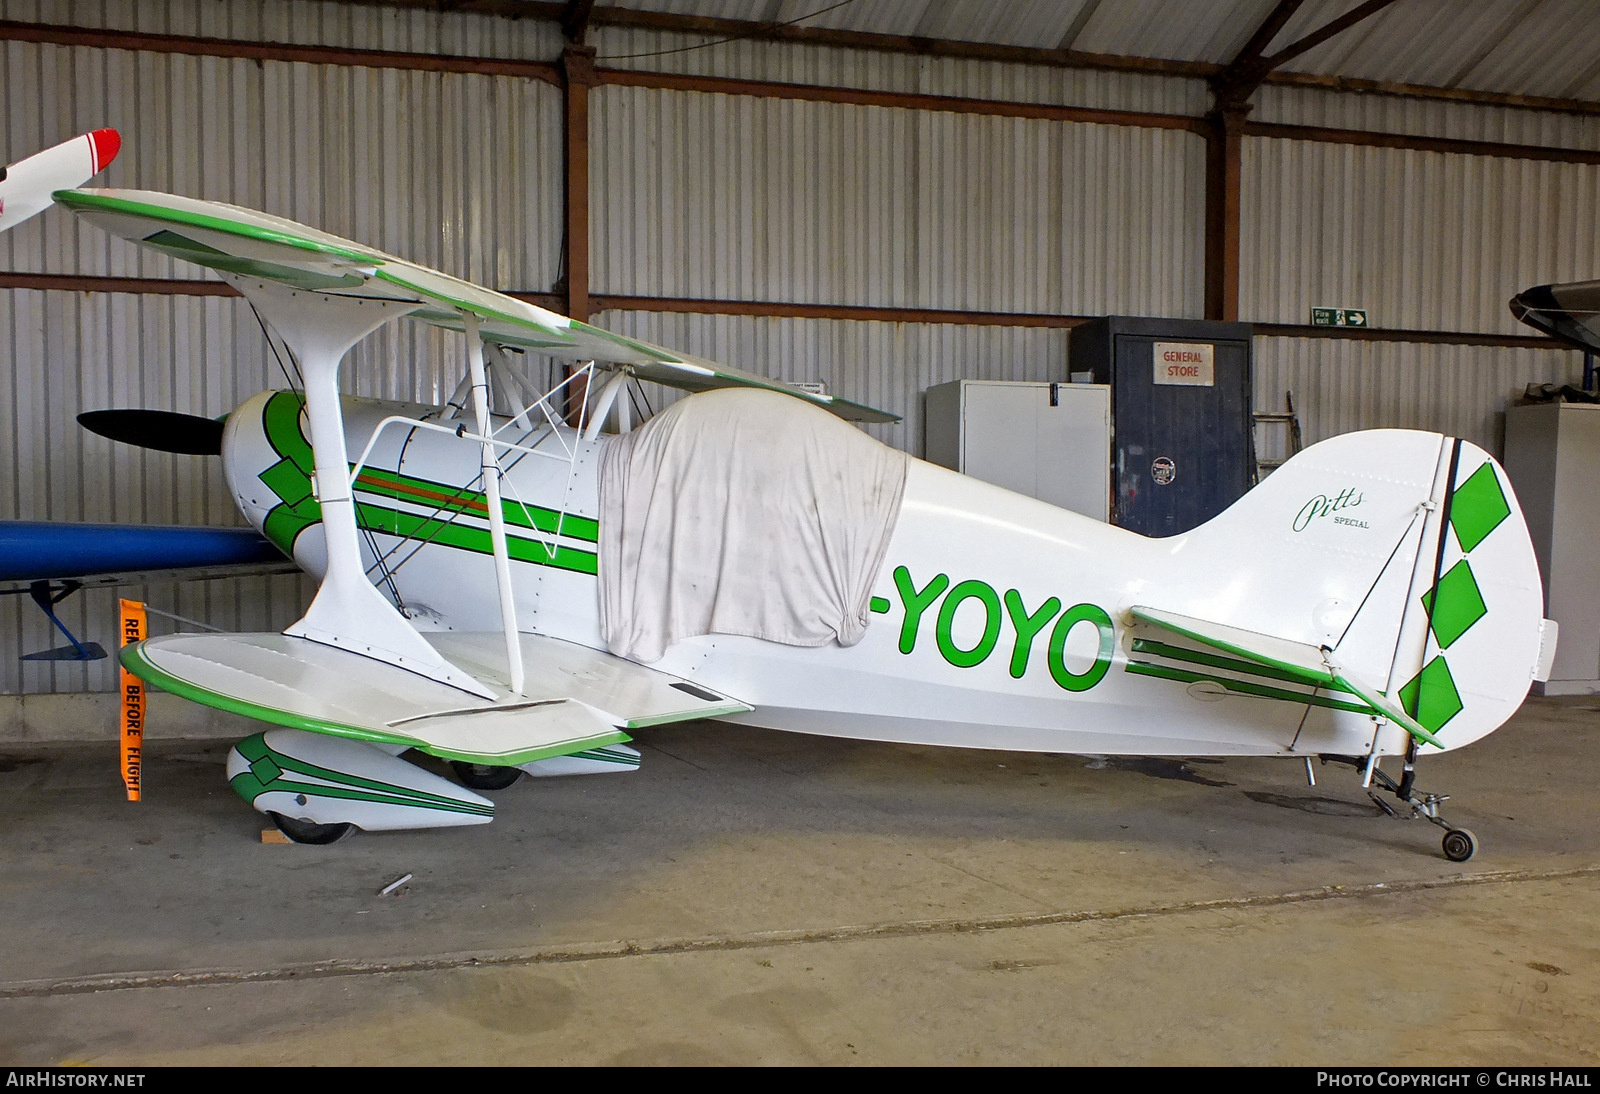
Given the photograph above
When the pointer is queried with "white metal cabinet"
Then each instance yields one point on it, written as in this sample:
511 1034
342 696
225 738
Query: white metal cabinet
1553 461
1048 441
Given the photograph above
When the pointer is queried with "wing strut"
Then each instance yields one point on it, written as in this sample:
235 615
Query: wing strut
491 490
348 611
602 407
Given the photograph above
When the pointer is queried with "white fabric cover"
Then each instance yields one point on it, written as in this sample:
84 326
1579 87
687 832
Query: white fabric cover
742 512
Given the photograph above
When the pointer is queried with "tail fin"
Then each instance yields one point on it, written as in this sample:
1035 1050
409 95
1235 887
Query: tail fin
27 185
1406 555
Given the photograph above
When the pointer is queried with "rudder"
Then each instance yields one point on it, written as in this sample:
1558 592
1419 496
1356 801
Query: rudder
1406 555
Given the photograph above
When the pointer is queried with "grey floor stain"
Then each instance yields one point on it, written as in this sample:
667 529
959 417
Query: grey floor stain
1328 807
1158 767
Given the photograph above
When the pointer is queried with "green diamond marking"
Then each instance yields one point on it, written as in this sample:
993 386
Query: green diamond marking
1431 696
265 770
287 481
1477 507
1455 604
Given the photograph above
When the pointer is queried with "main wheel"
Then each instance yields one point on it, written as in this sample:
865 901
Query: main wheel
1460 845
485 776
304 831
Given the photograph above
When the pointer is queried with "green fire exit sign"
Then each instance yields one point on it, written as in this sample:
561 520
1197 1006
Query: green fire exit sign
1338 317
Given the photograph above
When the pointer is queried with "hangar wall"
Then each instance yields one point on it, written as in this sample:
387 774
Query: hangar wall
305 22
1423 240
880 364
731 197
452 170
1393 114
830 66
758 200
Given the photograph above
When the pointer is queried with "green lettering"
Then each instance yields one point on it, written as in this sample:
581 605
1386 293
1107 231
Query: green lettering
916 603
968 590
1081 613
1027 627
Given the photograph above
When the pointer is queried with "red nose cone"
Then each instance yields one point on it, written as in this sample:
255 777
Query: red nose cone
106 144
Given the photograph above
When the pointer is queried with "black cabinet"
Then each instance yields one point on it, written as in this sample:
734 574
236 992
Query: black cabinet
1182 434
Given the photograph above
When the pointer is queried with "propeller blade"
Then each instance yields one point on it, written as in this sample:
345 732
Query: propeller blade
162 430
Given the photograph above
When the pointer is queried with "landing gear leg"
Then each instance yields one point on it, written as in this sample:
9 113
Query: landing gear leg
1459 843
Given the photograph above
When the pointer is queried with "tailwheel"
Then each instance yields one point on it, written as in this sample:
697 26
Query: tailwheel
304 831
485 776
1460 845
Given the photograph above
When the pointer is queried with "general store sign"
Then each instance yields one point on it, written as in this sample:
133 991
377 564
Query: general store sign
1187 363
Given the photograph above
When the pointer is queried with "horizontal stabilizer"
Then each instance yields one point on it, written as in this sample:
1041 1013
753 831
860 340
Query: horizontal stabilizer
1299 661
245 243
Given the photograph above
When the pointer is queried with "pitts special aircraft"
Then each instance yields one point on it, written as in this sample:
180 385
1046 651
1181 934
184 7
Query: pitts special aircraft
511 593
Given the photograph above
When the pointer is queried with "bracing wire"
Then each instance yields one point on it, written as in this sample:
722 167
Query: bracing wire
764 28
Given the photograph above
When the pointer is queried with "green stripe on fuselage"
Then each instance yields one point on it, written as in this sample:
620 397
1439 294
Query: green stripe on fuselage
391 484
290 481
466 538
1217 661
1246 687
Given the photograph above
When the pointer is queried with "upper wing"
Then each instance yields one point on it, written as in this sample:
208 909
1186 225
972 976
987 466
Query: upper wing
1294 661
575 698
242 241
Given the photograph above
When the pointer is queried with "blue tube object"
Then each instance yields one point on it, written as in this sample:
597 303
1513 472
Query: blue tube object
45 550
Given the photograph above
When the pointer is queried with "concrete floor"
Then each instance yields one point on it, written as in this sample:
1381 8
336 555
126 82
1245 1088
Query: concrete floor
755 897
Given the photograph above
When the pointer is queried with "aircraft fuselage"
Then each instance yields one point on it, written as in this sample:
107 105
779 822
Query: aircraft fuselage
998 621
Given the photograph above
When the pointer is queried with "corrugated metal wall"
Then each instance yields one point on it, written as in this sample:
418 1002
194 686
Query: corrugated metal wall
702 195
885 365
306 22
460 172
1422 240
68 352
731 197
665 51
1340 385
1423 117
71 351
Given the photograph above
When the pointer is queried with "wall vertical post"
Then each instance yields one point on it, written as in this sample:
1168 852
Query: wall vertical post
1224 147
577 65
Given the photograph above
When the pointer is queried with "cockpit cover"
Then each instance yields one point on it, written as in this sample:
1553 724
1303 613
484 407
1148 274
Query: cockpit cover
742 512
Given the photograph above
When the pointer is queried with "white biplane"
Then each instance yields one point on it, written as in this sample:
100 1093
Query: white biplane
514 594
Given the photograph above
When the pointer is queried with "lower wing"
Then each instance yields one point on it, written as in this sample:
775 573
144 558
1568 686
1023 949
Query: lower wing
575 698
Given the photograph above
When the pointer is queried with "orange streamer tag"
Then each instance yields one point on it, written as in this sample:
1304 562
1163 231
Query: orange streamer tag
133 629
